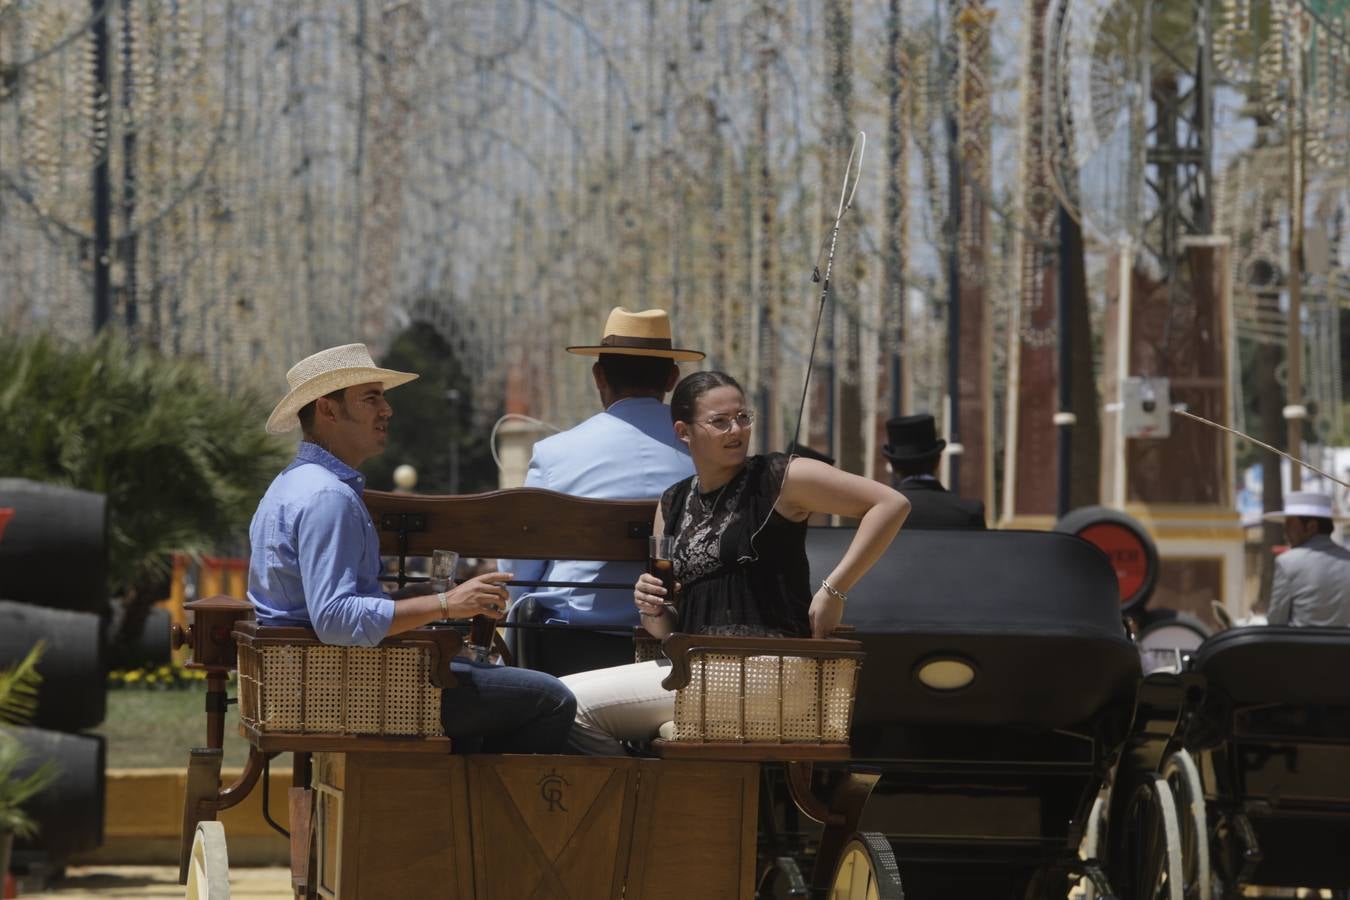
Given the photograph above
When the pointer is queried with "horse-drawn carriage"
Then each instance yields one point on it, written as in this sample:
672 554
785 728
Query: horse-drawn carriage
985 722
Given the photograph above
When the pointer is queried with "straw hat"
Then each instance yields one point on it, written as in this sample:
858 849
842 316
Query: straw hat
645 333
1304 504
327 371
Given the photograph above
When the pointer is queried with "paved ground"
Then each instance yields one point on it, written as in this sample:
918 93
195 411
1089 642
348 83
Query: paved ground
162 881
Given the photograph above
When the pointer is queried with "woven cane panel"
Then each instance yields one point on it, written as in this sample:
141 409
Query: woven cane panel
766 699
323 688
282 706
839 679
248 685
345 690
365 675
646 650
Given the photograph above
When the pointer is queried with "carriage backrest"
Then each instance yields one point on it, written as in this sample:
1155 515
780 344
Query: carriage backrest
1265 664
519 523
1034 615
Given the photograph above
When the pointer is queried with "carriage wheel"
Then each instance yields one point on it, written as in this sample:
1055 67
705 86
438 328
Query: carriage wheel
1184 779
1147 861
866 870
209 864
1094 843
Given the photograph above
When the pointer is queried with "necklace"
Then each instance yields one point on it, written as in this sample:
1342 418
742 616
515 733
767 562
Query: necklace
706 507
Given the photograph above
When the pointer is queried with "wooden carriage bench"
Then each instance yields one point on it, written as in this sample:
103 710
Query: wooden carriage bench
381 807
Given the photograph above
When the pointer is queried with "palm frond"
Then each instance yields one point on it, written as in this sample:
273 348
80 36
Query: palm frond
16 789
19 689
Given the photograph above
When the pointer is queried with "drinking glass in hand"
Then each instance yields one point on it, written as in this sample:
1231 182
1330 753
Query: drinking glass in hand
443 565
659 563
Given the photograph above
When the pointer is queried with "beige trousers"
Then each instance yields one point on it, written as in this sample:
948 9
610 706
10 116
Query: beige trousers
622 703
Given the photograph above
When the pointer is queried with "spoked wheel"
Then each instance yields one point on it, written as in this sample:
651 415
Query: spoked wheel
1184 779
867 870
1146 864
1094 846
209 864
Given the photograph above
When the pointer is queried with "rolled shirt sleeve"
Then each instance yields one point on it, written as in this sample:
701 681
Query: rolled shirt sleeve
336 544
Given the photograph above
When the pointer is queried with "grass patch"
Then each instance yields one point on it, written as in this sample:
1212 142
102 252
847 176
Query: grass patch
156 728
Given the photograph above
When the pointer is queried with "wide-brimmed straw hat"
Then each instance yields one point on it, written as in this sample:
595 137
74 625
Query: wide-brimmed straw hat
912 439
327 371
1304 505
645 333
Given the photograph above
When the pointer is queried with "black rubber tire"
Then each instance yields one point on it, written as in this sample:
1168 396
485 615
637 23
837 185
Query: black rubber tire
55 549
74 691
1079 520
149 647
867 864
70 812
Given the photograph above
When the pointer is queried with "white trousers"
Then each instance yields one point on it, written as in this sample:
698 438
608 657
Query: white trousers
622 703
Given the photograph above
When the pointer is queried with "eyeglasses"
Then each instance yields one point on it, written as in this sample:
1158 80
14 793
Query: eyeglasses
723 424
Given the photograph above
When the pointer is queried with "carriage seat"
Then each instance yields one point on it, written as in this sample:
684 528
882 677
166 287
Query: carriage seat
985 628
297 693
760 698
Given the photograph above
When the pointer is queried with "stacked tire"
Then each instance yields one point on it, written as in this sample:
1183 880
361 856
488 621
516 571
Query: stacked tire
53 588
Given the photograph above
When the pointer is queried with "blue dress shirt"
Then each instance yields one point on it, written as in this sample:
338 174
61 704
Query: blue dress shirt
627 452
315 558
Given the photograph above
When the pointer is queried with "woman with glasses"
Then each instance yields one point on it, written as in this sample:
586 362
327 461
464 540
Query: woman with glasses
739 550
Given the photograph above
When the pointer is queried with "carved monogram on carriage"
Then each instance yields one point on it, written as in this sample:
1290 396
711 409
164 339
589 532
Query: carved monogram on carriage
551 789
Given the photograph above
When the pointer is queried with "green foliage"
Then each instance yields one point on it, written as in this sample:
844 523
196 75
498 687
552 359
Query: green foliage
18 702
181 461
428 424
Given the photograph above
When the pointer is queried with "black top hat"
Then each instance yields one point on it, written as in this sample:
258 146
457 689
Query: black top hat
912 439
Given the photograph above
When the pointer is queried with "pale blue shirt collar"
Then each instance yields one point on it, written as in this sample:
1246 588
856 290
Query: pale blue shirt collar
310 452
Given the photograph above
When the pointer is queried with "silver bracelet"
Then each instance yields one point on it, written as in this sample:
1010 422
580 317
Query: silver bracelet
833 591
445 604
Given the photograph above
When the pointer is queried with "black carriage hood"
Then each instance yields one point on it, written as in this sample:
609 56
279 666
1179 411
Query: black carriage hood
1035 614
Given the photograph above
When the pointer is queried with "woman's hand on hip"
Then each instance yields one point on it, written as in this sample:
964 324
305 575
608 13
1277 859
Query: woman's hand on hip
826 612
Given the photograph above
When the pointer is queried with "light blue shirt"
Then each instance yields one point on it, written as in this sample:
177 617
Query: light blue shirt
627 452
315 558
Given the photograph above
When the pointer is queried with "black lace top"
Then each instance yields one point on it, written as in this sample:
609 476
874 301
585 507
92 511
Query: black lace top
733 580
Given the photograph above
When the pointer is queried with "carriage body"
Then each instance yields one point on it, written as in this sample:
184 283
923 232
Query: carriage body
997 696
1272 737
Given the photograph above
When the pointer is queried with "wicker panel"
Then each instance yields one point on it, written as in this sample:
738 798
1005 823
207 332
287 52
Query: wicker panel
325 689
766 699
323 686
364 681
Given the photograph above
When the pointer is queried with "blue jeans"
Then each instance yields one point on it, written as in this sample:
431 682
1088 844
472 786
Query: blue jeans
504 709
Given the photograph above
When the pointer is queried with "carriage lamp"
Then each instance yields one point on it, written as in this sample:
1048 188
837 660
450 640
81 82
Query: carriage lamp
945 673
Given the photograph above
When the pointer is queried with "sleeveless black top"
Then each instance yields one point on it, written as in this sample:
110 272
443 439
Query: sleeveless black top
736 581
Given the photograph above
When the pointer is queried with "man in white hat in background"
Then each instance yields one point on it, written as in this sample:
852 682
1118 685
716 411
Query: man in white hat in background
1312 577
627 452
314 559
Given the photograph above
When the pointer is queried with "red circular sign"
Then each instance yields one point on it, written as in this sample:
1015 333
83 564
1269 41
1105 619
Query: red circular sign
1126 551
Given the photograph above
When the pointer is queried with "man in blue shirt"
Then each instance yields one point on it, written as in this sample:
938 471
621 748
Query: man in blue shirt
627 452
315 558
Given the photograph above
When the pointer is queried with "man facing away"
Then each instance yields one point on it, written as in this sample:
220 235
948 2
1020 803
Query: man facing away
627 452
1312 577
315 561
914 451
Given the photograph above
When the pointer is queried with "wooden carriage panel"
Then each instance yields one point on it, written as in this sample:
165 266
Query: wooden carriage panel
550 827
392 825
527 523
694 835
